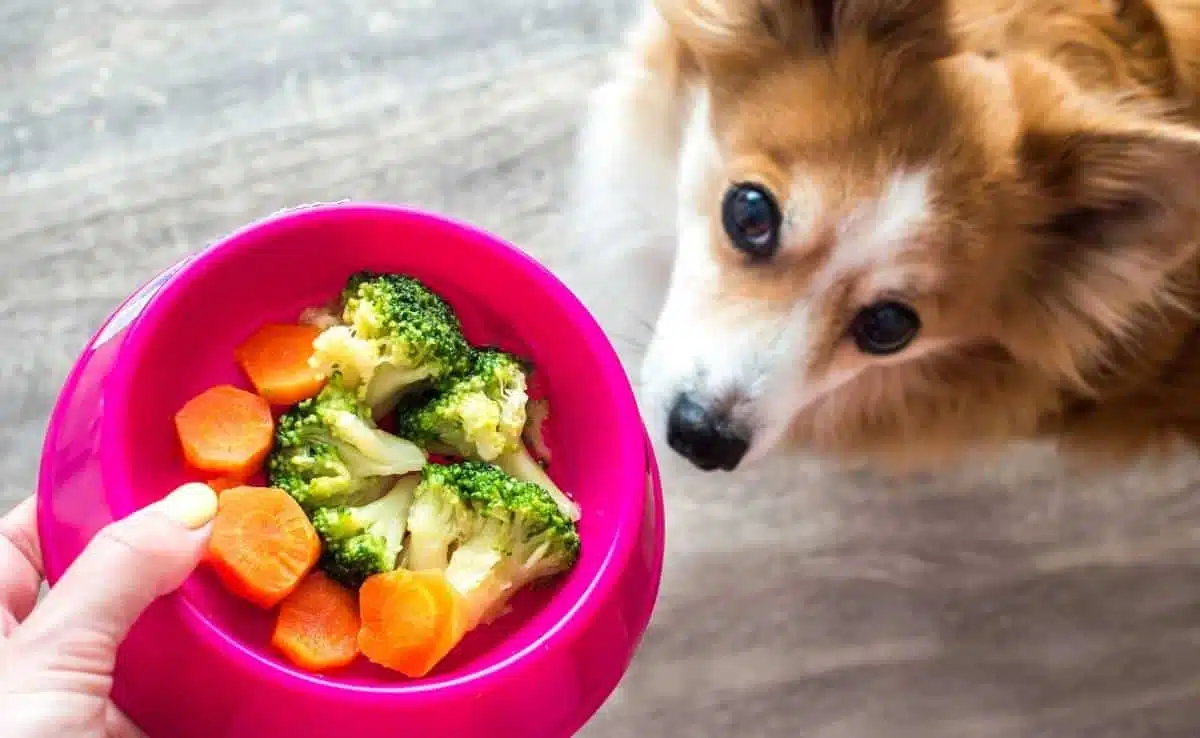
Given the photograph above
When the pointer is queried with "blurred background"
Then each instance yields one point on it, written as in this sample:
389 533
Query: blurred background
1011 600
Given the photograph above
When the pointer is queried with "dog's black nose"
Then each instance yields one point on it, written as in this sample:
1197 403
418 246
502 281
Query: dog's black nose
709 442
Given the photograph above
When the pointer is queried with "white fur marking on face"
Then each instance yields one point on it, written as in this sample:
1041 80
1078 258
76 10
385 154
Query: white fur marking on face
878 231
696 344
702 345
698 154
802 212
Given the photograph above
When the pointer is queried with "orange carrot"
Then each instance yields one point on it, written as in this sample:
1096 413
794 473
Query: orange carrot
275 358
262 544
225 431
318 623
410 620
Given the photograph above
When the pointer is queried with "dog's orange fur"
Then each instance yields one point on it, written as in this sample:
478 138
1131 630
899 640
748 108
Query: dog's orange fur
1062 271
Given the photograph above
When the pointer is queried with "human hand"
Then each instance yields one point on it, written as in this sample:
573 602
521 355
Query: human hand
57 655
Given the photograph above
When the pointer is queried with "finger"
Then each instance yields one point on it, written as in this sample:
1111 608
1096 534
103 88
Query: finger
124 569
20 564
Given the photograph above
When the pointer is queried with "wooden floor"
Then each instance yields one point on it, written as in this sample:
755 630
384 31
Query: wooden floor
1002 602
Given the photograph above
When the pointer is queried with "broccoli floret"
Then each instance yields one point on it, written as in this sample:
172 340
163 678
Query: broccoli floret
433 521
328 451
395 334
492 533
362 541
481 416
521 464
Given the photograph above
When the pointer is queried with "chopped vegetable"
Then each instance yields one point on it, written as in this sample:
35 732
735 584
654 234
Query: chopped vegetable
433 522
493 534
225 431
276 360
365 540
521 464
482 416
396 334
262 544
410 620
329 452
318 623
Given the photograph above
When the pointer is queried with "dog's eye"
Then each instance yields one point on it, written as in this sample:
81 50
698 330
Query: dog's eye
884 328
751 219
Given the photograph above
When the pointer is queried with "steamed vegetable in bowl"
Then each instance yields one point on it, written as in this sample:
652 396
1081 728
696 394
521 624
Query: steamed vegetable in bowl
404 499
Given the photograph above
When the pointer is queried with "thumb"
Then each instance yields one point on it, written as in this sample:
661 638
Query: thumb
125 568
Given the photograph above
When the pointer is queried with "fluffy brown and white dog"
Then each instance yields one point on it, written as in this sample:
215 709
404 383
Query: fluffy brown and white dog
904 230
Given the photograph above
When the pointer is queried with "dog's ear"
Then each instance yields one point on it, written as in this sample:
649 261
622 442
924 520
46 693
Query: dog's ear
1125 193
1112 212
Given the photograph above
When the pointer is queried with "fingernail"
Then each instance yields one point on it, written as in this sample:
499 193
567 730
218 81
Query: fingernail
192 505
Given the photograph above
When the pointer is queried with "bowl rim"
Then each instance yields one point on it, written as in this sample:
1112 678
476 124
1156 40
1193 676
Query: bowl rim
633 460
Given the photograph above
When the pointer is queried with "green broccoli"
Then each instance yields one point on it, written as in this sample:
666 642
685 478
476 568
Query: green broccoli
396 333
481 416
493 534
434 520
328 451
359 542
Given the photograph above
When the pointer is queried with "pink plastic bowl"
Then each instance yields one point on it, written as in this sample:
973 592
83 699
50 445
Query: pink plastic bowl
199 664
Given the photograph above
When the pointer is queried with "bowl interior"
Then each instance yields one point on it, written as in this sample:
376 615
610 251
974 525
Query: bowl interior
184 343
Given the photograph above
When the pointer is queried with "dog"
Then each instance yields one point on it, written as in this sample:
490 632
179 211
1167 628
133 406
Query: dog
902 231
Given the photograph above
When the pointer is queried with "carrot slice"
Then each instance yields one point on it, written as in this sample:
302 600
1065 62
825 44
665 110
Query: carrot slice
318 623
225 431
275 358
262 544
410 620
